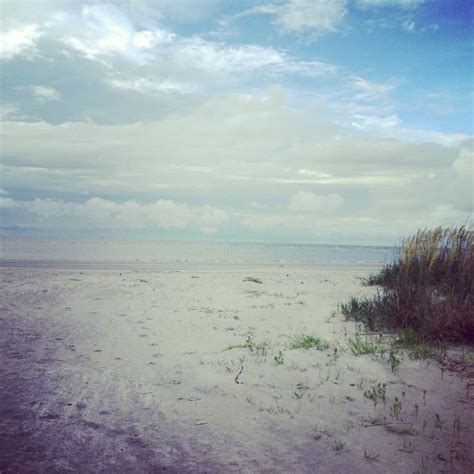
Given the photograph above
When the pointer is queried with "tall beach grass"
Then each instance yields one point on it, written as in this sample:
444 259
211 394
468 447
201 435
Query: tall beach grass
429 288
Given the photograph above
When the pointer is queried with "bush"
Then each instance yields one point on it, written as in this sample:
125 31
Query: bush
428 289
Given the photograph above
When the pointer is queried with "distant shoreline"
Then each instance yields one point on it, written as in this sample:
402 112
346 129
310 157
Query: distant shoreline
107 265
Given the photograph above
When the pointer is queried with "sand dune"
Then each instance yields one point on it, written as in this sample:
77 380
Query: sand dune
134 370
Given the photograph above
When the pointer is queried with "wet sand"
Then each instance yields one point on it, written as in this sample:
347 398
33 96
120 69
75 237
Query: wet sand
125 367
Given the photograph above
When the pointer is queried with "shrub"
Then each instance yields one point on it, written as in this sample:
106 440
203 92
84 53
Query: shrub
429 289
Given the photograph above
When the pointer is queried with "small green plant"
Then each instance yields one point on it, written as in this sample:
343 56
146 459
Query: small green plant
376 393
407 337
307 342
338 446
468 389
360 346
360 310
260 349
394 362
279 359
248 344
361 383
256 349
396 408
457 427
317 434
425 351
416 346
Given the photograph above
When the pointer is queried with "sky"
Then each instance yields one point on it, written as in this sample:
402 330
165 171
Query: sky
307 121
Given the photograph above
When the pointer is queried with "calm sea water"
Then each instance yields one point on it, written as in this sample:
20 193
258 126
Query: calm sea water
172 251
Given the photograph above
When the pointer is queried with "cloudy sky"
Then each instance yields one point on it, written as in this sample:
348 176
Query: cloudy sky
325 121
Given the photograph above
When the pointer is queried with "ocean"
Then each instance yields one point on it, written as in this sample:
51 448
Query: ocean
106 250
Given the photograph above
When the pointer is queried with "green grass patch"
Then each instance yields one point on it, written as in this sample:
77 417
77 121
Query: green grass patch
362 346
307 342
416 346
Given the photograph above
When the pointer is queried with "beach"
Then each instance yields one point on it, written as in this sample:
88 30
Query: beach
192 367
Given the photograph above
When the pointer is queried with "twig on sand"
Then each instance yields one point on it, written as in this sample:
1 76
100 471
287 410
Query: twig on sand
253 280
384 423
371 457
238 375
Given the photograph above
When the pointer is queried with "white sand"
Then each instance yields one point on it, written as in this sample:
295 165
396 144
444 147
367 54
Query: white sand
120 371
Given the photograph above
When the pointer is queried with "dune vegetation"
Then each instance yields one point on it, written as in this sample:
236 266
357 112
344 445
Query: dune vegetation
428 289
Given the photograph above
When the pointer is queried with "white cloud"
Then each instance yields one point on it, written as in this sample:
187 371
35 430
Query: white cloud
389 3
7 110
236 137
464 163
409 25
104 31
177 10
238 149
218 57
316 16
306 68
365 122
19 42
99 213
6 203
147 86
366 90
320 226
426 136
211 219
304 201
462 185
265 223
43 94
313 174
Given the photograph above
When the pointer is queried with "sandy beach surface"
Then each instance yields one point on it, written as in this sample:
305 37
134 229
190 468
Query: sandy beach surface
190 368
